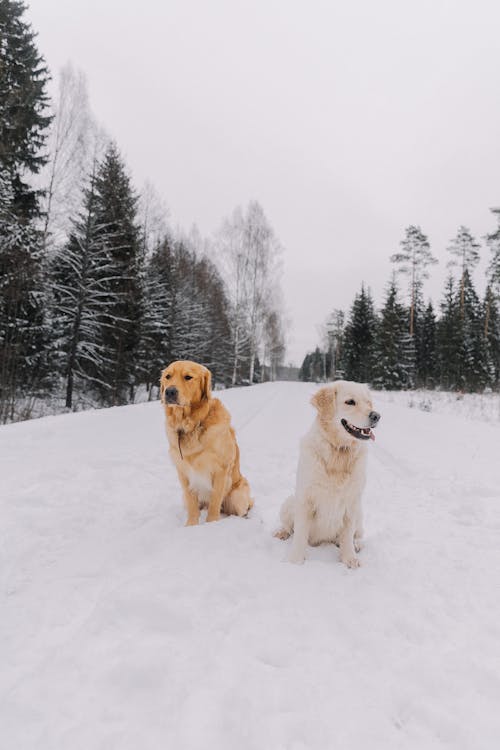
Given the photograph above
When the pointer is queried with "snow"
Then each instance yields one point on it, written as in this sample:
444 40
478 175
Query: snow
121 629
482 406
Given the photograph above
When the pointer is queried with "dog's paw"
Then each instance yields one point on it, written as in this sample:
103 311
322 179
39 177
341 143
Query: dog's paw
191 522
358 545
213 517
297 558
351 562
282 534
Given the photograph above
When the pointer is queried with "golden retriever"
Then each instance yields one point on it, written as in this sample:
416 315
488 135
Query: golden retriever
326 506
203 445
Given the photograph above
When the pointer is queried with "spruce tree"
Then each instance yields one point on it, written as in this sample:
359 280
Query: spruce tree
158 318
215 345
359 346
24 118
83 275
492 298
448 338
115 207
473 350
462 344
491 330
23 122
427 367
22 330
390 368
315 366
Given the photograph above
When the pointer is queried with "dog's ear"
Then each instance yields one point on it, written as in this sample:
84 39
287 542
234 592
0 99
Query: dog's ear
206 385
325 398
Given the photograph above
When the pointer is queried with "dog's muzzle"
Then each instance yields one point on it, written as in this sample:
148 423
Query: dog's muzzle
362 433
171 395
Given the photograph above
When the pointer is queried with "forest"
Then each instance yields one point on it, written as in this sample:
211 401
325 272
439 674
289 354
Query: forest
97 292
407 343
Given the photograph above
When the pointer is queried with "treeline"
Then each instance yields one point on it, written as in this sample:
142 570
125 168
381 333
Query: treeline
97 293
410 344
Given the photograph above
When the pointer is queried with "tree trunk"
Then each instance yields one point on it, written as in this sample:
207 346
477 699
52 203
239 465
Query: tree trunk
252 367
69 390
235 358
487 316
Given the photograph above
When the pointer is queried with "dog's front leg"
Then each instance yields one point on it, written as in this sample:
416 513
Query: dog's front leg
301 525
346 544
217 496
191 502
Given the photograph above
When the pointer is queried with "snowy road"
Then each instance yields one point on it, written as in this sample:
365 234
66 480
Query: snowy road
122 630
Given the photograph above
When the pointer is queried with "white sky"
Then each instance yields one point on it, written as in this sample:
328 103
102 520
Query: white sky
346 120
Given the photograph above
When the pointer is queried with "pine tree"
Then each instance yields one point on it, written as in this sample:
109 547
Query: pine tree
23 106
413 260
390 369
465 252
359 347
83 275
116 216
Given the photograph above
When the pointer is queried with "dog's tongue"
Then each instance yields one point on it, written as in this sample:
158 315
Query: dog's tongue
372 435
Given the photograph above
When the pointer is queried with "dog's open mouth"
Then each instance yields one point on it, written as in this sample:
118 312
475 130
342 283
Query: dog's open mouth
362 433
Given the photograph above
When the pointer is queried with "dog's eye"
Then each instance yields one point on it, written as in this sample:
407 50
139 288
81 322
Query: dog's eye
350 402
188 377
167 377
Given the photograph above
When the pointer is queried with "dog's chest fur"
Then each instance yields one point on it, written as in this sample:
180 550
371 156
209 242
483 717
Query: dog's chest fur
331 481
200 483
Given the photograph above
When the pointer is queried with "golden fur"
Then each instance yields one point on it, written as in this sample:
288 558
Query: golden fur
203 445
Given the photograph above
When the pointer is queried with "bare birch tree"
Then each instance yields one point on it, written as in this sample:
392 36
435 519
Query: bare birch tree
70 154
229 246
262 250
153 214
249 252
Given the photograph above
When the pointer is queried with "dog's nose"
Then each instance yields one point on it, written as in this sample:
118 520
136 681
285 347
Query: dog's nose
374 417
171 394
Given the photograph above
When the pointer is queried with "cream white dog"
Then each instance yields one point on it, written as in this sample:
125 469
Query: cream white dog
331 474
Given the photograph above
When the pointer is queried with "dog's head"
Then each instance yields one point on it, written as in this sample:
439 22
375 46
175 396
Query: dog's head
346 412
184 383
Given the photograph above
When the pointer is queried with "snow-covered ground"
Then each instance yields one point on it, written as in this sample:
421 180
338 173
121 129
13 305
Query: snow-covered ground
482 406
122 630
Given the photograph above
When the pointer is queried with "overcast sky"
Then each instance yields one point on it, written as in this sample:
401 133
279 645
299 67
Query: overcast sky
347 121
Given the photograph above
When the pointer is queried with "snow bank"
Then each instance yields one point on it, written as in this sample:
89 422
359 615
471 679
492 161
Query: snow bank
482 406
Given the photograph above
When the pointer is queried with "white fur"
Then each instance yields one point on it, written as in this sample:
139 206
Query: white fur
331 475
201 484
